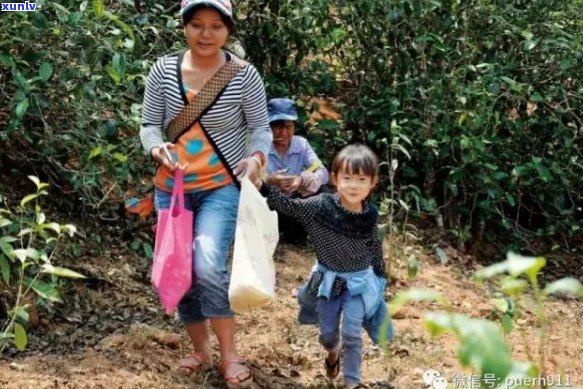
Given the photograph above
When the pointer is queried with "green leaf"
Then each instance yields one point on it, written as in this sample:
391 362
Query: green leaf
62 12
402 149
513 84
40 218
507 323
120 157
7 60
98 8
21 313
23 254
518 372
45 71
406 139
412 267
519 264
338 35
95 152
413 295
148 252
46 291
35 180
482 346
60 271
28 198
25 231
515 265
529 45
52 226
5 245
512 286
20 338
125 27
492 270
114 74
527 35
5 269
567 285
70 229
543 172
21 108
508 80
500 304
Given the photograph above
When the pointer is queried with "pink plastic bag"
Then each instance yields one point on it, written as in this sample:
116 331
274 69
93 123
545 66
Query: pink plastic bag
172 268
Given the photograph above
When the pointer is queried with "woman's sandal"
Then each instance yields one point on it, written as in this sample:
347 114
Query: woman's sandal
197 361
333 369
235 381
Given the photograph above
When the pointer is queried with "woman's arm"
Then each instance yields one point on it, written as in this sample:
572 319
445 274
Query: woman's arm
255 110
153 108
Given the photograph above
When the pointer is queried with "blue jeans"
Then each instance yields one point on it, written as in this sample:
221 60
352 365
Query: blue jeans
351 309
215 219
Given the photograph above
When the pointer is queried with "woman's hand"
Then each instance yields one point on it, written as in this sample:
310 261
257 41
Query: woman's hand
160 156
249 167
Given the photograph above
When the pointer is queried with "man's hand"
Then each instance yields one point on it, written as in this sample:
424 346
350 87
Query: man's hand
291 184
277 178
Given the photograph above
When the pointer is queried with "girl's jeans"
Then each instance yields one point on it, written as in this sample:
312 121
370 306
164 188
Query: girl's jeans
351 308
215 219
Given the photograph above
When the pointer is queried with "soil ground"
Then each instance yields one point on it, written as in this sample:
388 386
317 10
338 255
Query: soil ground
111 333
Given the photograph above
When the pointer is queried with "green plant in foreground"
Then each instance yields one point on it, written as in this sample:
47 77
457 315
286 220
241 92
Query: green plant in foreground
515 276
28 244
483 347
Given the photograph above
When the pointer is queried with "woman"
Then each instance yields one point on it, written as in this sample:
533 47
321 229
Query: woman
226 110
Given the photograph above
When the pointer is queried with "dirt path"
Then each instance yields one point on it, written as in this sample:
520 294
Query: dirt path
111 333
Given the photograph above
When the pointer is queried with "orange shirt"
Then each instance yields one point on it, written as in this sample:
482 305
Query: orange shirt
205 169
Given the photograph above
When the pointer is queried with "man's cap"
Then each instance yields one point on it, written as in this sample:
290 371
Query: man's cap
281 108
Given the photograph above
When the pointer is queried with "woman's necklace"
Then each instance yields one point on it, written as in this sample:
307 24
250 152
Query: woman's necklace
195 76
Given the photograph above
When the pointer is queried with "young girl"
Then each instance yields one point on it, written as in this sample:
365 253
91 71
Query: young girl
349 277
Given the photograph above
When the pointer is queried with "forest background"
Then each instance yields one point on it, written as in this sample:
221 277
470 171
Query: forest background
474 107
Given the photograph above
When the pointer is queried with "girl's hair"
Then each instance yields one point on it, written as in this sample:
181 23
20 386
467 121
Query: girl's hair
187 17
356 159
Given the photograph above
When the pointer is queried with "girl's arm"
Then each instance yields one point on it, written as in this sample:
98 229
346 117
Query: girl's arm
301 209
379 266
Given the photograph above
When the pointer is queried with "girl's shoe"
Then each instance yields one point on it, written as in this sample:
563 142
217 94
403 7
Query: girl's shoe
197 361
242 379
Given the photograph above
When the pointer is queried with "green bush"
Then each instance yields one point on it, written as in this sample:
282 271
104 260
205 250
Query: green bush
74 76
28 250
488 92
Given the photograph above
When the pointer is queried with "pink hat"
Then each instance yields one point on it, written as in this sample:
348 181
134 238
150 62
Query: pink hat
223 6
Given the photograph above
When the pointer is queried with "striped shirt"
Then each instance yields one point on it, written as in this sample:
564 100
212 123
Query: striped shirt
236 124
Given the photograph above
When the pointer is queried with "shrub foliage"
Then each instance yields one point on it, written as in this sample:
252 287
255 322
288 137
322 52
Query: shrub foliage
488 92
